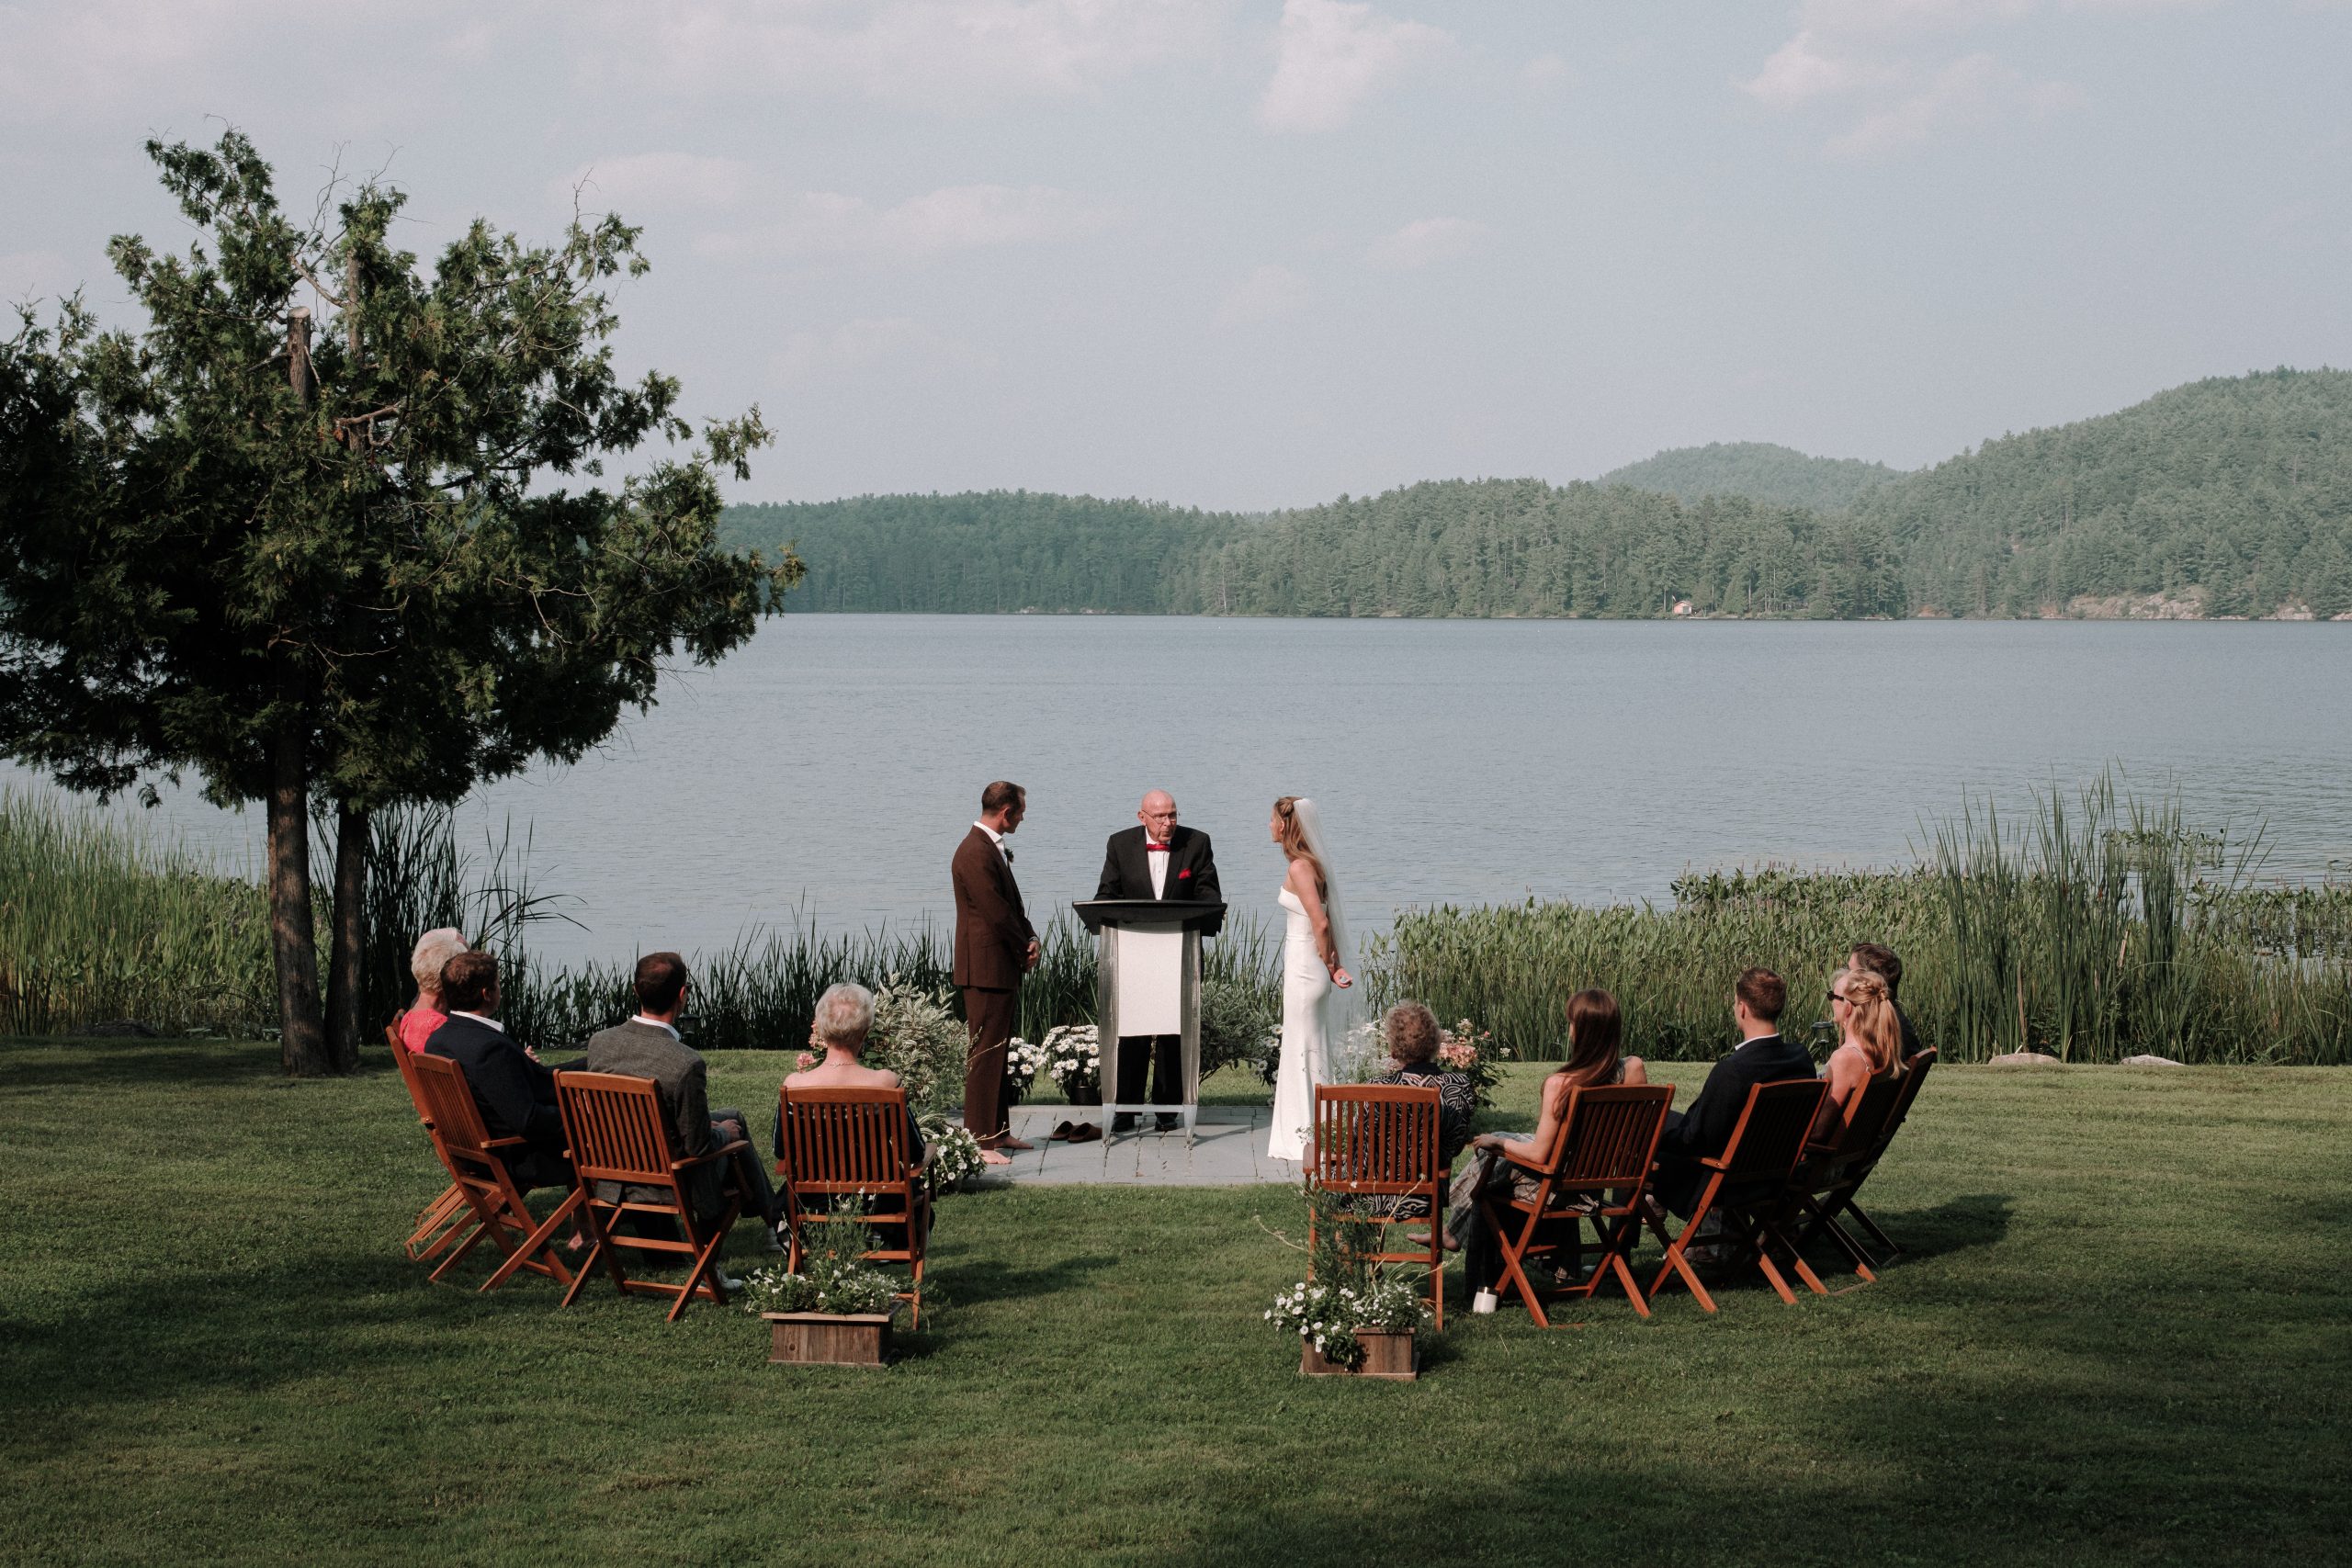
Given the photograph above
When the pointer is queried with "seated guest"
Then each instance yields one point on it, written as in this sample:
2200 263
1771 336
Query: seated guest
1873 1045
516 1093
1762 1056
1596 1033
1879 960
1412 1034
648 1046
424 1015
844 1014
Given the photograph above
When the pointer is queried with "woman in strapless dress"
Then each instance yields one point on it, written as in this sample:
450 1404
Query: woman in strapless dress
1311 966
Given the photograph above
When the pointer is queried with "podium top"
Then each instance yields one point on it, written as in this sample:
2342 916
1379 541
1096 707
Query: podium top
1191 913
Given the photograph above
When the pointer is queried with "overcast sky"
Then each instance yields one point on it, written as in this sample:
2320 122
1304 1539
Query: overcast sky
1255 252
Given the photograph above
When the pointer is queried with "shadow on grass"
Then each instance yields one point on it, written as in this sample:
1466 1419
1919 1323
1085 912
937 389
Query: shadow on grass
122 1064
987 1280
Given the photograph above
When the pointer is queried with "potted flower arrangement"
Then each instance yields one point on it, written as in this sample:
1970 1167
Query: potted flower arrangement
954 1153
1472 1052
837 1310
1074 1057
1354 1317
1023 1060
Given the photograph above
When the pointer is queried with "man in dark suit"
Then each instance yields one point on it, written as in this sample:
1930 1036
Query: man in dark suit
1763 1056
995 945
516 1093
648 1046
1880 961
1169 863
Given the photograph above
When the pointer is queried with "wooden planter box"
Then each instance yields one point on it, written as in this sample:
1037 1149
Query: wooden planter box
1386 1355
829 1340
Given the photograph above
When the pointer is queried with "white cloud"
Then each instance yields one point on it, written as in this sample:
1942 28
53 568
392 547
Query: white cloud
955 218
911 53
899 342
1330 55
657 179
1545 71
1426 240
1268 292
1860 57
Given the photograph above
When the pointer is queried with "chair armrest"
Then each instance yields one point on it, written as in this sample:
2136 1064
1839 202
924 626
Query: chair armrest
1525 1162
505 1143
719 1152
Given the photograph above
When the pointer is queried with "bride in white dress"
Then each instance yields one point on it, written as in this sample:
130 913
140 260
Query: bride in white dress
1313 962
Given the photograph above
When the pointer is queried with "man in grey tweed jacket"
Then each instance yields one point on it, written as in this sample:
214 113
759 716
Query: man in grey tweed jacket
648 1046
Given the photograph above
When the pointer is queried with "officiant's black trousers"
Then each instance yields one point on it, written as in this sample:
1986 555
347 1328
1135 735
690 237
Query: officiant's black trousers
1165 1053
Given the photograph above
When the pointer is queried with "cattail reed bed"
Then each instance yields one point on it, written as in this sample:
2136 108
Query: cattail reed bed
2102 927
2098 927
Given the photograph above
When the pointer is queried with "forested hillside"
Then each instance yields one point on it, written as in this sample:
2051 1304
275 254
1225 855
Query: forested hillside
989 552
2226 497
1525 548
1756 469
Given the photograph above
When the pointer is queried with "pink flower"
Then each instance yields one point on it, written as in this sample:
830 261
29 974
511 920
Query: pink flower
804 1061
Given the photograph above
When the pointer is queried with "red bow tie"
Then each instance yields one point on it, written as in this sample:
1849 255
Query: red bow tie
1155 849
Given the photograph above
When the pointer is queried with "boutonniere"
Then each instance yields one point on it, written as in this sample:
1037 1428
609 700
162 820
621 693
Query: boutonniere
1183 873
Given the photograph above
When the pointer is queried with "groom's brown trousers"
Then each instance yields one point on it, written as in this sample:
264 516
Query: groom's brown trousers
988 1018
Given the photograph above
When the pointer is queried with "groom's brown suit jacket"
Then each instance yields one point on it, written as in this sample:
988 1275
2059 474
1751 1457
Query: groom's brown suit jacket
992 932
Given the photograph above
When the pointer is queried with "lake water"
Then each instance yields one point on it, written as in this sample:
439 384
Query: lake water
829 767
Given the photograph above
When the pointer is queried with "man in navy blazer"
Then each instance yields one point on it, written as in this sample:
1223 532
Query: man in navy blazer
516 1094
1763 1056
1167 863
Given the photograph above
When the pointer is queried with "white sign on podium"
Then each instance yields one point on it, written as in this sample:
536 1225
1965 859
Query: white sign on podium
1148 983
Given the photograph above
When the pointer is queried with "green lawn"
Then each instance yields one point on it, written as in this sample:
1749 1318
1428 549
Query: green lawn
2122 1336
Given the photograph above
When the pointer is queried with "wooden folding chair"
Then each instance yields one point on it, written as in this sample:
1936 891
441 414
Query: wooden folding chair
1826 1212
853 1142
478 1161
440 1222
1832 1155
1749 1188
1377 1145
618 1133
1598 1170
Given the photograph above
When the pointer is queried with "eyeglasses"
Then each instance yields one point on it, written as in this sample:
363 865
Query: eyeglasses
1839 997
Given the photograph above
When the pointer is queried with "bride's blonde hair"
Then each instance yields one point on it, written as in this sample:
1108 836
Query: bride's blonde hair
1294 838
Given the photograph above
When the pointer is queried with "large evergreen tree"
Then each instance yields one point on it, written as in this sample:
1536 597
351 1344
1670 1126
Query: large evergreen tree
377 566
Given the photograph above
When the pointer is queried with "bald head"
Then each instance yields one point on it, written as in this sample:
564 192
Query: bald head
1157 816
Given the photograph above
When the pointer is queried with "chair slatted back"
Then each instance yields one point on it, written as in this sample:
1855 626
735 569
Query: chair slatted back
840 1141
1915 1074
1769 1138
1872 1118
1611 1135
1377 1137
449 1105
615 1127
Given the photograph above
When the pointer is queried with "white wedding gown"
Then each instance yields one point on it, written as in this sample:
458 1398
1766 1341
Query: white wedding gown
1307 1048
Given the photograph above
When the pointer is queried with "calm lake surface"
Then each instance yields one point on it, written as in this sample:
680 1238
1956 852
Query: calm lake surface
828 768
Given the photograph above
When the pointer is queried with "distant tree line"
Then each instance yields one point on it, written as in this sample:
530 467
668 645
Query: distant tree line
2230 496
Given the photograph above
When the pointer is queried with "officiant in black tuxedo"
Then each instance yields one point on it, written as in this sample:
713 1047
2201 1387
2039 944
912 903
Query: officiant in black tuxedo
1164 862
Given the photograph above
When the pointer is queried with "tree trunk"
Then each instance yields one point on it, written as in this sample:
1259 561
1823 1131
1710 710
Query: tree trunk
293 939
346 953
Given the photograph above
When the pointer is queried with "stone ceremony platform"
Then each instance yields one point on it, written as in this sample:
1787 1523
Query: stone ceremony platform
1228 1149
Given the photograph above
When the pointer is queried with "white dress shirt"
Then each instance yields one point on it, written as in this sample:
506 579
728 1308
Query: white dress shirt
996 838
1159 865
479 1018
655 1023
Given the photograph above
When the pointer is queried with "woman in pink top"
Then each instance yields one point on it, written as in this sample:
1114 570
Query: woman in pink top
433 948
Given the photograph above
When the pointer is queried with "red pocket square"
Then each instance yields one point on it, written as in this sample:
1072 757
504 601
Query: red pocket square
1183 873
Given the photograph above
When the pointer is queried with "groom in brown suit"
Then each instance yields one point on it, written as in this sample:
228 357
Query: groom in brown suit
995 945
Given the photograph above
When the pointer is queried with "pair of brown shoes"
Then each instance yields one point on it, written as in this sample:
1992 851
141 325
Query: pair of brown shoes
1076 1133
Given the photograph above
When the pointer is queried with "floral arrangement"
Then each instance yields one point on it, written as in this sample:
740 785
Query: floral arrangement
1472 1052
1074 1057
1025 1059
834 1276
954 1153
1328 1312
1359 1053
1345 1290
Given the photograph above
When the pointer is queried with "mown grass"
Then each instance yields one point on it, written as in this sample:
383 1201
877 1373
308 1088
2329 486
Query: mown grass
2119 1338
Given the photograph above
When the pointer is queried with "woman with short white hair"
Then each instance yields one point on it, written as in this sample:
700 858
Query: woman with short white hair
424 1015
